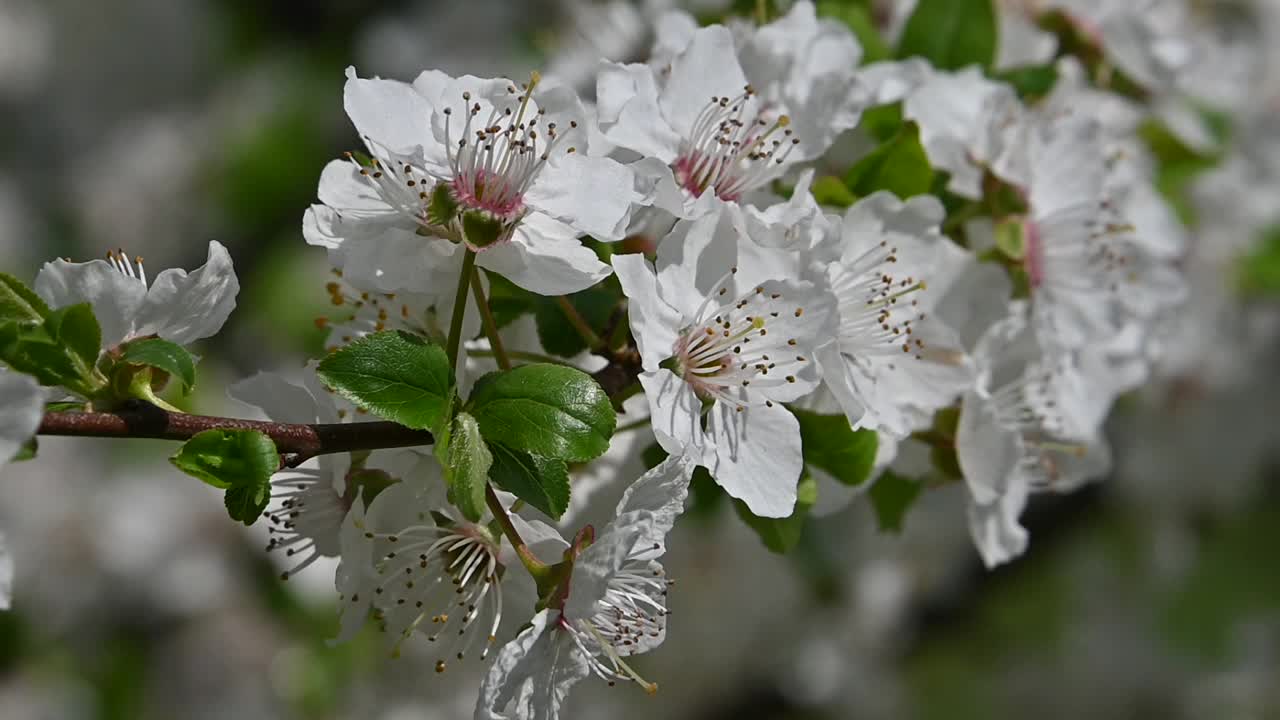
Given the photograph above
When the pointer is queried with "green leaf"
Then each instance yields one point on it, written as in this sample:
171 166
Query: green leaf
900 166
1031 82
891 496
951 34
831 445
882 123
1259 271
543 409
858 18
18 302
780 535
76 328
238 461
393 374
27 451
32 350
245 503
164 355
555 333
467 471
228 458
831 191
540 481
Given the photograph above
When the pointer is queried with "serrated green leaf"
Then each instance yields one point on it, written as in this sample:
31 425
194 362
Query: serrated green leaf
951 34
780 535
394 375
164 355
899 165
543 409
238 461
891 497
30 349
831 445
467 471
540 481
18 302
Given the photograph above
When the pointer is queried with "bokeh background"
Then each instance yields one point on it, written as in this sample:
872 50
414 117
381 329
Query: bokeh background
156 125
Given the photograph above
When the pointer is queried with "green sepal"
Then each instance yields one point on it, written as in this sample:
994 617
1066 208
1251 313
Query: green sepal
482 229
443 208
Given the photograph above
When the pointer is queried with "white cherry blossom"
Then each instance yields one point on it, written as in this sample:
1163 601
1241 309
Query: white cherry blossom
723 348
616 608
1028 425
499 167
727 115
173 305
893 363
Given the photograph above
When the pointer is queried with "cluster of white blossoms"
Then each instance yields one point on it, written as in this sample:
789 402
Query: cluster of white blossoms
1024 288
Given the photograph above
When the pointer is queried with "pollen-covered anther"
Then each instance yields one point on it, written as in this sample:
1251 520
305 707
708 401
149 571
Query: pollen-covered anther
734 147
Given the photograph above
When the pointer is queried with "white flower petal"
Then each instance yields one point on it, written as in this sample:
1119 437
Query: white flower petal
629 114
597 566
388 113
995 529
21 409
756 456
6 575
593 194
115 297
707 68
654 323
661 492
183 308
532 674
281 400
545 257
674 411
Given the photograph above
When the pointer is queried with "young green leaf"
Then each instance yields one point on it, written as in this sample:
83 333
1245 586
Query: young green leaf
395 375
543 409
238 461
228 458
891 497
780 535
540 481
76 328
951 34
899 165
467 471
164 355
245 503
18 302
831 445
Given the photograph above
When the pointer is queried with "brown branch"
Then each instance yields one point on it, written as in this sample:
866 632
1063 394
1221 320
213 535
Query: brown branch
140 420
296 441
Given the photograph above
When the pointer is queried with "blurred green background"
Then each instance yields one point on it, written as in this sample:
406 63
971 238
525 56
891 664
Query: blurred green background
157 125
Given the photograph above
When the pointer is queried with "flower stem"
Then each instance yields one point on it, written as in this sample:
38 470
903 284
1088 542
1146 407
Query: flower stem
580 323
538 569
525 356
633 425
490 327
460 307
